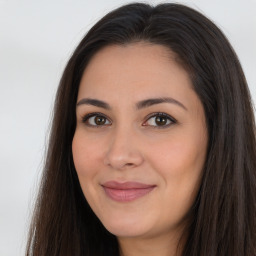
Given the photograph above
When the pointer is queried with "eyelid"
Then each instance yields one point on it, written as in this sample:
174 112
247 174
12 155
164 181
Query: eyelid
173 120
87 116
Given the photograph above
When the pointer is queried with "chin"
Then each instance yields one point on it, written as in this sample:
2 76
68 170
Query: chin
127 231
126 228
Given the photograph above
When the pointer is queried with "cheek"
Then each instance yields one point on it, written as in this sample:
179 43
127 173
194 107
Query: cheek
180 155
180 161
85 153
180 165
87 158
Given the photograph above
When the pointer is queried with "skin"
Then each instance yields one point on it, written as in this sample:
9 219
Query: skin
131 146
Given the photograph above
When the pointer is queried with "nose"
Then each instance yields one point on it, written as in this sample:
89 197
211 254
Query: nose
123 151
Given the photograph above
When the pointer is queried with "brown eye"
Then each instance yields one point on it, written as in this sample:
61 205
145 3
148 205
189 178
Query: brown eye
99 120
160 120
96 120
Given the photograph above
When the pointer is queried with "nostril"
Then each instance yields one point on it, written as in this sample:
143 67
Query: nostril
119 158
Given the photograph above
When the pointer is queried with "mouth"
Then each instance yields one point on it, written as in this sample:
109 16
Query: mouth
127 191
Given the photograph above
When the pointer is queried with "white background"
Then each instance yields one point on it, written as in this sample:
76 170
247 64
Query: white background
36 40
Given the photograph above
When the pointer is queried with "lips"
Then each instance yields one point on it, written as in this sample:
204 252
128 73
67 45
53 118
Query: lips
127 191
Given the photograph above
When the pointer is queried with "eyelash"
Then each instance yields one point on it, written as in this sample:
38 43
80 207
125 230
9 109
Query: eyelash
161 114
156 114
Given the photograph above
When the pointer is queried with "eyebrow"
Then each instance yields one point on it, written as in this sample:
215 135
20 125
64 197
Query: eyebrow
94 102
139 105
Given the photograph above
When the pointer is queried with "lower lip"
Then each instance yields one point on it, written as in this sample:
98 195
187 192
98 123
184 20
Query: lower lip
127 195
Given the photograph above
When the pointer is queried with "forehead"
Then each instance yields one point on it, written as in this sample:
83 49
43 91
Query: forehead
134 71
142 55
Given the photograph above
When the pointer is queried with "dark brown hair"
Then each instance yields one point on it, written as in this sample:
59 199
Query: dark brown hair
222 221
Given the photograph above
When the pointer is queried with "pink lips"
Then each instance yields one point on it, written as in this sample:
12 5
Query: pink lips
127 191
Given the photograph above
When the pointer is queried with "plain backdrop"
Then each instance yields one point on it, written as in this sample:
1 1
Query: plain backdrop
36 40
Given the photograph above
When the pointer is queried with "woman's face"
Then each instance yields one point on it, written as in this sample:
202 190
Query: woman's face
141 139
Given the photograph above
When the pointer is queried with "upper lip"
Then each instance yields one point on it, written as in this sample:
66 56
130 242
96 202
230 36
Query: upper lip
126 185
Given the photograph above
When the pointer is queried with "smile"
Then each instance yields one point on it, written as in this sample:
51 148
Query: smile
126 192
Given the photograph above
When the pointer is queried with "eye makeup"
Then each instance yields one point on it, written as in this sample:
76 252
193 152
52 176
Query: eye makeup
158 120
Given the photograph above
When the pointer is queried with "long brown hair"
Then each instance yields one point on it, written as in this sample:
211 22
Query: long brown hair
222 221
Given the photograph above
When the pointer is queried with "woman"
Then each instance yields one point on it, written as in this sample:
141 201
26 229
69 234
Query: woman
152 148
